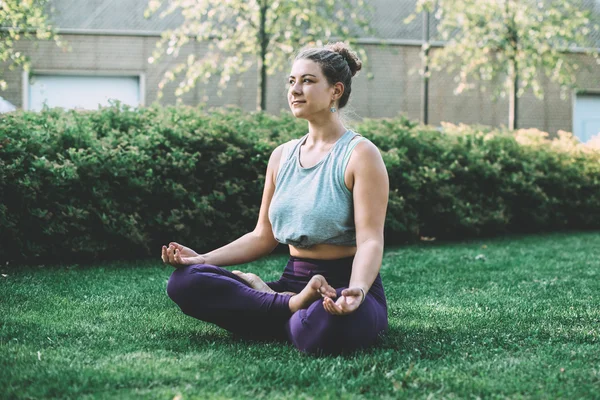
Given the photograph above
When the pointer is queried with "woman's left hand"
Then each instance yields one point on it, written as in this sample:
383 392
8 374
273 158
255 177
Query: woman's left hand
348 302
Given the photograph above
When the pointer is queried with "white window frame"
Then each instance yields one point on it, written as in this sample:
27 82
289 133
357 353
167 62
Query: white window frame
593 92
74 72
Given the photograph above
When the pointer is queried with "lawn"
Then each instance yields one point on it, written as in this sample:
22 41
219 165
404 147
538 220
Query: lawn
514 317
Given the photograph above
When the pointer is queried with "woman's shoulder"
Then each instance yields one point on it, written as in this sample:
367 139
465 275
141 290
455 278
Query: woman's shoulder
282 146
285 148
361 145
362 150
280 153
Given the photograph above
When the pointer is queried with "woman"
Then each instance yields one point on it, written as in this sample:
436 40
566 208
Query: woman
325 196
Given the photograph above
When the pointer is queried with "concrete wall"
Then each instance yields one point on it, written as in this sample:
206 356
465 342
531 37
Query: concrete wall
393 89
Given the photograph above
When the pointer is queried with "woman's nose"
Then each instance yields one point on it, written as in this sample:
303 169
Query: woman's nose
294 88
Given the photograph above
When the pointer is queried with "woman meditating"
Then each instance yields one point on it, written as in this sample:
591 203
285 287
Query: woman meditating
325 196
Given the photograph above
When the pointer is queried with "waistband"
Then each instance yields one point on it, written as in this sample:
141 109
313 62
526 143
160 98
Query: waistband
336 270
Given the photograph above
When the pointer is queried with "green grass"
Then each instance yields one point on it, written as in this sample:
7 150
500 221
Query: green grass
521 323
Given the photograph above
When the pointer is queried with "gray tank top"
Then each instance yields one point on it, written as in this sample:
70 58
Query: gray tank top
313 205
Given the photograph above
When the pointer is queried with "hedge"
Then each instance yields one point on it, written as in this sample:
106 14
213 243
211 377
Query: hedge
119 182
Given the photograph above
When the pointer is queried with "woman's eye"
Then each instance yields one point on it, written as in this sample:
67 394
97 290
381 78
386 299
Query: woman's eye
304 80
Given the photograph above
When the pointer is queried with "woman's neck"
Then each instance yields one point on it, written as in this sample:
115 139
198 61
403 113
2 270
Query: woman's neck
324 134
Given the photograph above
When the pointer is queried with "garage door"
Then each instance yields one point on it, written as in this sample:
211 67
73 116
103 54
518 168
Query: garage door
586 116
85 92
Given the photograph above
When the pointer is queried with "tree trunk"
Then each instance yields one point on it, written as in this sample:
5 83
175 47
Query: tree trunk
513 70
262 66
513 100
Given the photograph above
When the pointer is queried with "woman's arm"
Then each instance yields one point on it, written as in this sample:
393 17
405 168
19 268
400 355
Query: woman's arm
370 194
243 250
251 246
260 242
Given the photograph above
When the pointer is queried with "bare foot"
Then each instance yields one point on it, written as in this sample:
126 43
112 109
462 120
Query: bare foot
315 289
254 281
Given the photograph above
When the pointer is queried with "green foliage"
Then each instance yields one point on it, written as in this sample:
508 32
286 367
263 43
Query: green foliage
241 34
120 182
490 38
23 19
517 43
471 181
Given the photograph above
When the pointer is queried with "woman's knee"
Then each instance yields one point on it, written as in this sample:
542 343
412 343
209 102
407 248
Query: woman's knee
185 279
316 332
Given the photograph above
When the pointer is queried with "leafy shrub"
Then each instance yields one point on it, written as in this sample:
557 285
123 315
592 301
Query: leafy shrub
120 182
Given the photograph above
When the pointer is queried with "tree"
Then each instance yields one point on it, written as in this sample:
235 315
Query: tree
243 32
514 40
22 19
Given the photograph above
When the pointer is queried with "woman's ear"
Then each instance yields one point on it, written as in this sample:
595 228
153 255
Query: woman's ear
338 91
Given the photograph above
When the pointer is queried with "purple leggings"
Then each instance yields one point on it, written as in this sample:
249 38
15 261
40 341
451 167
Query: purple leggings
216 295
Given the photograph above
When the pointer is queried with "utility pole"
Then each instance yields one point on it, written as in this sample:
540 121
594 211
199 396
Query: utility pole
425 87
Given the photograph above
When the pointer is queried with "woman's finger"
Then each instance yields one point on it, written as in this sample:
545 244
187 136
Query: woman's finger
324 292
178 257
338 310
167 254
325 307
171 254
163 254
177 246
333 307
328 304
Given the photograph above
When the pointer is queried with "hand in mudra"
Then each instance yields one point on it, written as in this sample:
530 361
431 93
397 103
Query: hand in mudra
178 255
348 302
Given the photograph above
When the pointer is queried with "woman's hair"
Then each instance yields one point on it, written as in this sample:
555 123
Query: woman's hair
338 63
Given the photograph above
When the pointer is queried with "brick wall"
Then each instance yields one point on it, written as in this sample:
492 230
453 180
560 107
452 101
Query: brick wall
388 85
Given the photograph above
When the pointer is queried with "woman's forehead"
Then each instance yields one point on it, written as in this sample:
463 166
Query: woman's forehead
303 66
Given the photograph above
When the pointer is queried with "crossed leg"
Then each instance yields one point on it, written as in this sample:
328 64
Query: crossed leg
315 331
316 288
215 295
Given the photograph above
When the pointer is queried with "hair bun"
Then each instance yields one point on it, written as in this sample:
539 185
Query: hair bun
350 56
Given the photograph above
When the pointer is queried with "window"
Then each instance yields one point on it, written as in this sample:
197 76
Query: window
81 91
586 116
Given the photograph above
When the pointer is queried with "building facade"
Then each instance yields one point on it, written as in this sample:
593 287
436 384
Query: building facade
111 43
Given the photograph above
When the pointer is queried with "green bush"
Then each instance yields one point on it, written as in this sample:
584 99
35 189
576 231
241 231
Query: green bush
120 182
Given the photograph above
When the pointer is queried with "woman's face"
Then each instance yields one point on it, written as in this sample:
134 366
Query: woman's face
309 93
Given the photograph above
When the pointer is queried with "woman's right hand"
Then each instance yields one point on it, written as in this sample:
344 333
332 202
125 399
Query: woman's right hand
178 255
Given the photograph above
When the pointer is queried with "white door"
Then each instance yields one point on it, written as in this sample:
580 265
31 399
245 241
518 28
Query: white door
85 92
586 116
